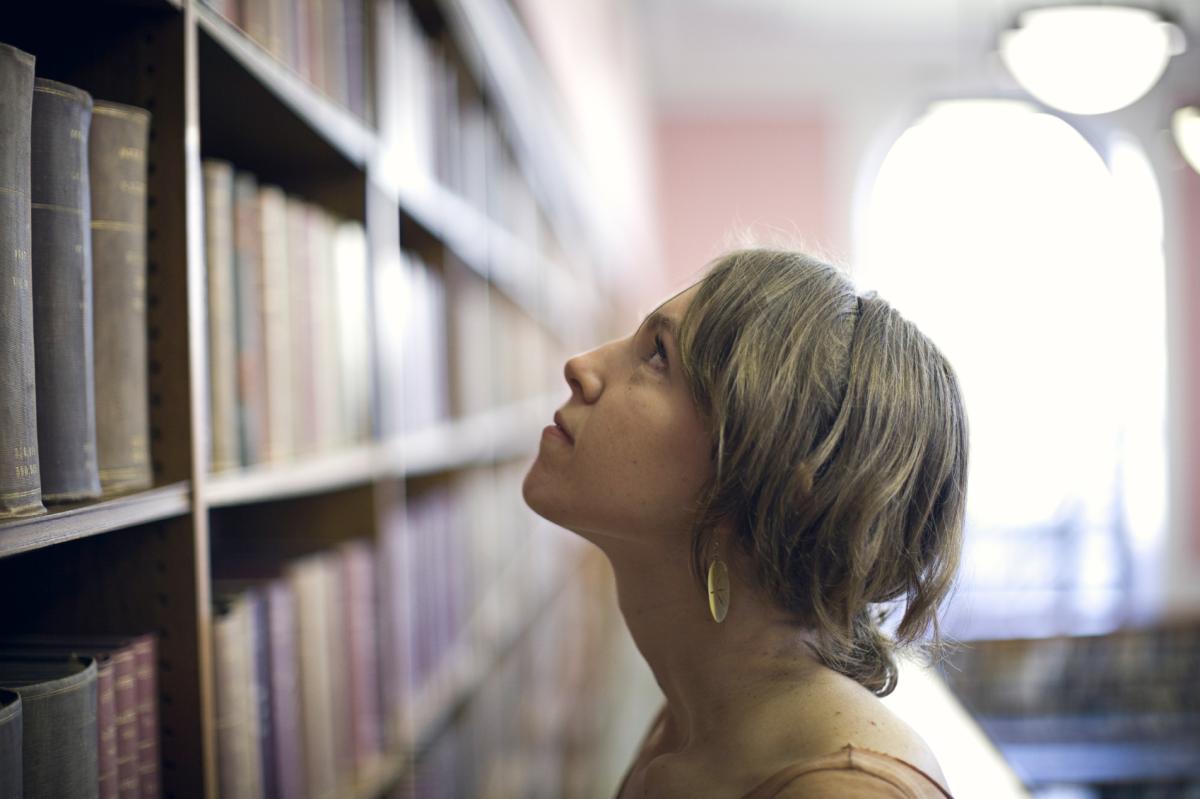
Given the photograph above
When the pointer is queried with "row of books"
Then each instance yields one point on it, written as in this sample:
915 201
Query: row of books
1135 671
443 130
499 354
288 323
324 660
297 703
452 544
79 716
1110 715
73 364
452 348
323 41
535 726
411 307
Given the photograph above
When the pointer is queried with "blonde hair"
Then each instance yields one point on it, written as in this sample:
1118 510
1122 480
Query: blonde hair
840 452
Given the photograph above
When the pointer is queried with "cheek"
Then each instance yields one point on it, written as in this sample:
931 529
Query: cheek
636 470
647 465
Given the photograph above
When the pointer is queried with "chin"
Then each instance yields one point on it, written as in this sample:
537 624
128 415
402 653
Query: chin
533 491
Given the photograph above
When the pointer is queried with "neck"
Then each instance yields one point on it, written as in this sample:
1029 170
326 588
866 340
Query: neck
714 676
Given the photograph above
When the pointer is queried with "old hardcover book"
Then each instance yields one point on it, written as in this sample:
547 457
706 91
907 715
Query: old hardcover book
353 338
260 639
10 744
117 167
309 580
126 681
275 300
106 727
359 625
20 480
125 699
58 708
222 319
238 766
116 724
284 686
304 375
247 229
145 658
324 327
62 291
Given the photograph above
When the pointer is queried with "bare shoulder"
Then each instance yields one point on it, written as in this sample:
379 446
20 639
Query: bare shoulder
838 711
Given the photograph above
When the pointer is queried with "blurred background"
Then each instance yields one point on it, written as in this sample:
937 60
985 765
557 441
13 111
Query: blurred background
375 229
1018 185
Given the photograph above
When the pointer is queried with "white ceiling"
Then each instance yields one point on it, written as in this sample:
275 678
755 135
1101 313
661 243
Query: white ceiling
717 52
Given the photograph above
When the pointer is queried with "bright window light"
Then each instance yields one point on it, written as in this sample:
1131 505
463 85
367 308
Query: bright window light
1089 59
1185 126
1038 271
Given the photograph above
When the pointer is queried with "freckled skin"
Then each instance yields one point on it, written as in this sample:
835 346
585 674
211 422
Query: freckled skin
641 450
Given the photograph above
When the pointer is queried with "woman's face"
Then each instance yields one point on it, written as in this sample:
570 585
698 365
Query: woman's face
638 452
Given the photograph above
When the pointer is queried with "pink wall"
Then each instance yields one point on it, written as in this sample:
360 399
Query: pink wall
720 175
1190 354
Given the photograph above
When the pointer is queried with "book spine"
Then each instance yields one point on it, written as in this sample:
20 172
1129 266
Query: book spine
10 744
117 162
222 322
341 697
356 57
359 619
231 654
314 645
275 298
261 677
125 693
324 320
106 723
288 735
145 656
353 314
314 14
60 212
58 729
301 318
247 254
20 479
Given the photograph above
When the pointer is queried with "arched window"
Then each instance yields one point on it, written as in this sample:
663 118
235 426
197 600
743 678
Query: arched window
1037 267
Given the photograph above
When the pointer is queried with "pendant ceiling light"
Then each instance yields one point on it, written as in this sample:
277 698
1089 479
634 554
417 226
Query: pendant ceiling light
1089 59
1185 126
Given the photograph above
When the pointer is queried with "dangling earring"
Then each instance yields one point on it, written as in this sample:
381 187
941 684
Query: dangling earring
718 585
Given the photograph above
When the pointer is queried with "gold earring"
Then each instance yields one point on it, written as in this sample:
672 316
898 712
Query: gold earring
718 585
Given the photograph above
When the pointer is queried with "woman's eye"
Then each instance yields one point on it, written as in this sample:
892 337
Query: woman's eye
658 358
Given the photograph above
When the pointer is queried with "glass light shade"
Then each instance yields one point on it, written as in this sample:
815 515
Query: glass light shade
1185 125
1089 59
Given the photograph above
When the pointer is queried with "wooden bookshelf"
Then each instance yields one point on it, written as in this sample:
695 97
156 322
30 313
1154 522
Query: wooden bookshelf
71 522
144 561
350 136
321 473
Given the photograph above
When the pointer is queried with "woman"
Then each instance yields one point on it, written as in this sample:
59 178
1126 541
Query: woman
766 461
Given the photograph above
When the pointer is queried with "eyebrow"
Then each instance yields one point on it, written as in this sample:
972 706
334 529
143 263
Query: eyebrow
657 320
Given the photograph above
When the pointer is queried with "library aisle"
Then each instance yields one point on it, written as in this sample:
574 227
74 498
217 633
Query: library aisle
327 272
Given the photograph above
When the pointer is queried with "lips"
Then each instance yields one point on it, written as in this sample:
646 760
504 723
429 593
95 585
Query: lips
558 422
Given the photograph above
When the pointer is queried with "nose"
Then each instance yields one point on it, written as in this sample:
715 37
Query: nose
583 376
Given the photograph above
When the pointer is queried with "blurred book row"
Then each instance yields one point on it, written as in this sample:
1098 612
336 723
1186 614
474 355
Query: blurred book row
79 717
439 126
73 296
1121 709
288 323
331 658
325 42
